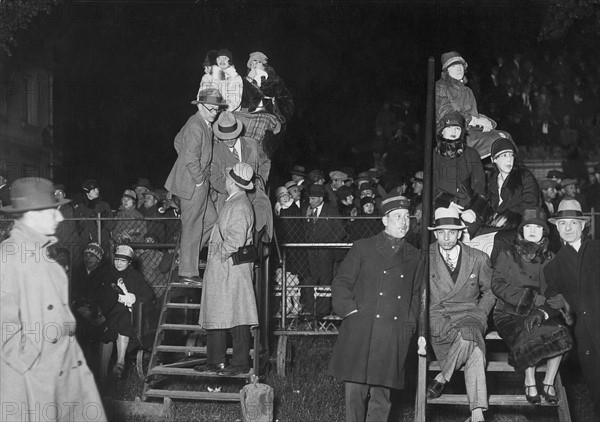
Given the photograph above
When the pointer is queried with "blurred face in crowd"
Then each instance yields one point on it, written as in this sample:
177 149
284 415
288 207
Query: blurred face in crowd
570 190
549 194
127 202
121 263
348 200
417 187
533 232
294 193
505 161
319 182
396 223
257 65
94 193
43 221
230 143
451 132
337 183
149 201
59 194
570 229
283 198
369 208
456 71
223 62
296 178
365 193
90 261
315 201
447 238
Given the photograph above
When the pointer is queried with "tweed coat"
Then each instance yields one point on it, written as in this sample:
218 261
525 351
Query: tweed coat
463 306
228 296
43 369
193 144
576 275
372 343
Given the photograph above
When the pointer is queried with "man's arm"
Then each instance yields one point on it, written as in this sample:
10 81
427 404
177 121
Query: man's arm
342 287
487 300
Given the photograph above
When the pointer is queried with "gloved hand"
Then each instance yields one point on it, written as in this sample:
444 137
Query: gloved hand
468 216
128 299
539 300
557 302
486 124
534 320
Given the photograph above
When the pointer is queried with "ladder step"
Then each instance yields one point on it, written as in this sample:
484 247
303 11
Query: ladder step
173 305
189 372
182 327
193 395
494 399
186 285
187 349
493 366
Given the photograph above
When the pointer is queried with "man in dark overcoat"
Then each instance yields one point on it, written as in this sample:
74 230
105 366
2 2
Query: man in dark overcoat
376 293
575 273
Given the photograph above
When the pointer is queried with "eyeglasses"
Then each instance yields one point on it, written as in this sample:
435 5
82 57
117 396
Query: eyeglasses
211 110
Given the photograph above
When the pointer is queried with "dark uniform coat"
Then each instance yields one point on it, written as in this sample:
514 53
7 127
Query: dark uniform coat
372 343
577 276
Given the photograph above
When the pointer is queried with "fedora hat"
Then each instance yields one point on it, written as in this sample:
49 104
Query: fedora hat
447 218
534 216
566 182
210 96
569 208
298 170
316 191
241 174
227 126
32 194
418 177
548 183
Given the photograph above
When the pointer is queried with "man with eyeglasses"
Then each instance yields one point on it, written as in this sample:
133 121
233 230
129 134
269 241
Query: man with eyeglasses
190 181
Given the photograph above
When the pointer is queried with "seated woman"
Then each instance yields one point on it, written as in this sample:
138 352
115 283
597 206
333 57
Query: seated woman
122 288
130 226
518 282
451 93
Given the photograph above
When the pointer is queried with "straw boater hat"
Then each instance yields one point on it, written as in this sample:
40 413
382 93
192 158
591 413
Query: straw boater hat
211 96
241 174
447 218
569 208
32 194
227 126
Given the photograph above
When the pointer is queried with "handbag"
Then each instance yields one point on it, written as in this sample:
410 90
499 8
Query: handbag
244 255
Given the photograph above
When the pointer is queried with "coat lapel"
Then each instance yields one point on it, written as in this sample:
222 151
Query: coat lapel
466 266
441 276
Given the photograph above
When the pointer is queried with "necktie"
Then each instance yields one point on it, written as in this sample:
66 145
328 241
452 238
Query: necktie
449 261
313 214
235 153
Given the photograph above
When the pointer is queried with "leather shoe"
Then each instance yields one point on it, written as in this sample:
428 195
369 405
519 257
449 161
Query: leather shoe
209 368
190 279
232 370
434 389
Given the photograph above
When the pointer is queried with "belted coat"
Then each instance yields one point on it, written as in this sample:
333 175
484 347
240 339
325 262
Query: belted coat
373 342
43 373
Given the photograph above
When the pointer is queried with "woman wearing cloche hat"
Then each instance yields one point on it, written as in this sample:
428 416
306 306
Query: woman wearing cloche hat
519 283
451 93
41 368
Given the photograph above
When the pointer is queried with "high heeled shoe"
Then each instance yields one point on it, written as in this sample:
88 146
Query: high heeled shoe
551 399
535 400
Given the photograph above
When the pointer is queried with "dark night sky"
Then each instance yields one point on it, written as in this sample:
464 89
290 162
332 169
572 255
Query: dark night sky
126 71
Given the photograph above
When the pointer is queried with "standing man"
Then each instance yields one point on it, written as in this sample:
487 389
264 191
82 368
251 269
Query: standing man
228 302
575 273
189 180
43 368
460 301
376 294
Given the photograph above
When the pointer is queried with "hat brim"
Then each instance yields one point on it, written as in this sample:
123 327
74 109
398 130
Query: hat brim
228 135
221 104
447 227
12 209
249 186
553 220
416 179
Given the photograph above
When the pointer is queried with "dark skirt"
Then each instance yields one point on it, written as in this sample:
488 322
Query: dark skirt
120 320
527 349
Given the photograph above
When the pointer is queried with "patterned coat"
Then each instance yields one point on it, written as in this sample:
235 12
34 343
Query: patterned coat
372 343
228 296
463 306
42 367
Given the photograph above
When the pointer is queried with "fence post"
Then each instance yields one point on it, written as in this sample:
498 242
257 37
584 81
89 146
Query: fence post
99 227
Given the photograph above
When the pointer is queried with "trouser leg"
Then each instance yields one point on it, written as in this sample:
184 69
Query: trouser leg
475 379
457 356
241 345
379 404
216 346
356 401
192 230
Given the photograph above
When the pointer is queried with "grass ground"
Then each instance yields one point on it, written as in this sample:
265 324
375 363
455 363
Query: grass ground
308 394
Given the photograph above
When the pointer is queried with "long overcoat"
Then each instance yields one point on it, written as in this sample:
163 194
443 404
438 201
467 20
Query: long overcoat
227 296
43 372
577 276
372 343
462 306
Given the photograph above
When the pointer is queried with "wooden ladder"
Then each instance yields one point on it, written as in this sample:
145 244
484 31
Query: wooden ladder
498 365
177 299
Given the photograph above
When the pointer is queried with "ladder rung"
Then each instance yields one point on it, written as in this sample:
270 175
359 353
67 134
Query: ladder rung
493 366
183 327
193 395
173 305
494 399
165 370
184 285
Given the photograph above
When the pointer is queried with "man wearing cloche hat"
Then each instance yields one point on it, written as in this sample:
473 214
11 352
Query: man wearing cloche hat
189 180
376 294
575 273
460 301
42 365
